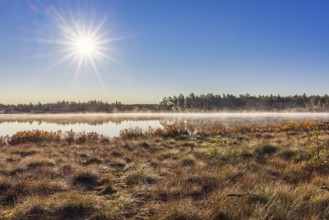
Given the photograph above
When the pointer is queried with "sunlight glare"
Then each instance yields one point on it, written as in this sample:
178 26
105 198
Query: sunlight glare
85 46
84 43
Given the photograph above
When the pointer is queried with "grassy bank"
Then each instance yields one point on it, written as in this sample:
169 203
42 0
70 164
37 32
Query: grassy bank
242 172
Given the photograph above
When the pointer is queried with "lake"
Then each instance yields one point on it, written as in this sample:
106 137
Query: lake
111 124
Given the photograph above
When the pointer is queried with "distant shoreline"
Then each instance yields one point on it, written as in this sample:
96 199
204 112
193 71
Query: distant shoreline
162 115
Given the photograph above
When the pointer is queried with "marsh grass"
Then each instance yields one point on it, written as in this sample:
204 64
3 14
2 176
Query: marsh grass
242 172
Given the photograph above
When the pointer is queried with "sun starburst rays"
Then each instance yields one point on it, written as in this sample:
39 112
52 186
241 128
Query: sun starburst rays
84 44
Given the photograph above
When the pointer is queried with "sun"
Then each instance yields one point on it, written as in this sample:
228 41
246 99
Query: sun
85 46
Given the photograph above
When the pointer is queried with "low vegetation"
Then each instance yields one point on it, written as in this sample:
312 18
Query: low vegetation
240 172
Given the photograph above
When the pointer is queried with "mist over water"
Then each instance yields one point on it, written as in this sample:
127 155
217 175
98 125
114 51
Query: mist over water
111 124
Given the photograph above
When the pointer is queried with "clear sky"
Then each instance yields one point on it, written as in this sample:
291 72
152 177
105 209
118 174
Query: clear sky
148 49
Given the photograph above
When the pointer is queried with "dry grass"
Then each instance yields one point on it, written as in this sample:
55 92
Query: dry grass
242 172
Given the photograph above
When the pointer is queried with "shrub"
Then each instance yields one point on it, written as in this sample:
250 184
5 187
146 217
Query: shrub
69 136
104 140
34 136
319 150
81 139
174 131
131 133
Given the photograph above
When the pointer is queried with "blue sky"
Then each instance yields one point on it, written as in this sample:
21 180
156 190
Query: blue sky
165 48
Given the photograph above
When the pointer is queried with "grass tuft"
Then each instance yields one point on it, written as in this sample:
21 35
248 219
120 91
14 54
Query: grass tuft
87 180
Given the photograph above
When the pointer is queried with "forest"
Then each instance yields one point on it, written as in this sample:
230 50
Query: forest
190 103
227 102
65 106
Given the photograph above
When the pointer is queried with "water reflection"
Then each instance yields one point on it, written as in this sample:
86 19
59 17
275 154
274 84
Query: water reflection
111 124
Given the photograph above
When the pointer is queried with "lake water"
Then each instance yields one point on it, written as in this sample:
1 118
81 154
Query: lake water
111 124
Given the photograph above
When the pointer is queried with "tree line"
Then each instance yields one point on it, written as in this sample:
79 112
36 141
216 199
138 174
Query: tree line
65 106
246 102
204 103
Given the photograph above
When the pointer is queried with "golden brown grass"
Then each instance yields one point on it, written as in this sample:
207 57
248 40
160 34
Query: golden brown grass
243 172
